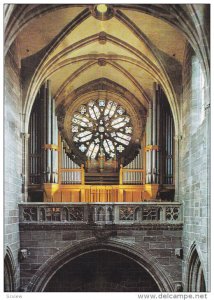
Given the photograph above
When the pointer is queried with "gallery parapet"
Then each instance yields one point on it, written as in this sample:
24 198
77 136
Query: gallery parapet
101 213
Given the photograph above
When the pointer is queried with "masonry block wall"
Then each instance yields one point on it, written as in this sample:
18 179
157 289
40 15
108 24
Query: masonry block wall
45 241
194 157
12 158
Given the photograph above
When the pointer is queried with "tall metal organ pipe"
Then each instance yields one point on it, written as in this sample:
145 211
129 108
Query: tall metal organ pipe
50 133
154 141
34 143
153 137
158 136
149 142
134 177
69 177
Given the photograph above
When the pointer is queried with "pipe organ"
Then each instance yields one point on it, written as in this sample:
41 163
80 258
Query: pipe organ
35 144
159 140
70 171
53 173
152 139
166 141
50 136
136 177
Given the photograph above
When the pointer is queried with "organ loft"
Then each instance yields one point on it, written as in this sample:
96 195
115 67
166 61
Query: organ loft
107 148
99 147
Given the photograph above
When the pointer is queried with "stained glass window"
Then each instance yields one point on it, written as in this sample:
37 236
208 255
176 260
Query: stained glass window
101 124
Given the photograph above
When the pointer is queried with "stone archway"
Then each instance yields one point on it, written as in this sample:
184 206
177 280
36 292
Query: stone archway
102 271
138 255
195 273
9 270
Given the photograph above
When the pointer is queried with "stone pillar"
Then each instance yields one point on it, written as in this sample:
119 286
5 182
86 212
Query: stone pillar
207 148
25 179
176 174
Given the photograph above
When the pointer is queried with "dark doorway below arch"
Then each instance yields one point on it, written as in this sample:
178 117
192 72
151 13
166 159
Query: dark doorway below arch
196 282
8 275
102 271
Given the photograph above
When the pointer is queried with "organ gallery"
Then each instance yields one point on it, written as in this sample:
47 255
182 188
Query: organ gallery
100 146
107 148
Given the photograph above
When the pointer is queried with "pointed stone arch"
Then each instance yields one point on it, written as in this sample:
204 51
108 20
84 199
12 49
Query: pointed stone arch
195 281
9 271
133 252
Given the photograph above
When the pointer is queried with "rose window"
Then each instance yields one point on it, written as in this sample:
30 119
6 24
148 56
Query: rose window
101 127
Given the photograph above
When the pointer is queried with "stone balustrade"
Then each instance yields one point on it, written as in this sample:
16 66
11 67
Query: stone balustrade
101 213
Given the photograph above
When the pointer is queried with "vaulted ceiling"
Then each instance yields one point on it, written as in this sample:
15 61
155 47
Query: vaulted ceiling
77 44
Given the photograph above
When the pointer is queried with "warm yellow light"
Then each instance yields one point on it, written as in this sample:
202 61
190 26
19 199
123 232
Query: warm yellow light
102 8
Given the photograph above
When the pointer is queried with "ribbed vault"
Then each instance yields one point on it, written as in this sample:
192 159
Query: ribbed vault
136 46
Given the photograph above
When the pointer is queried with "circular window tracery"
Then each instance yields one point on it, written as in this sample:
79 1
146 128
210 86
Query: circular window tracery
101 127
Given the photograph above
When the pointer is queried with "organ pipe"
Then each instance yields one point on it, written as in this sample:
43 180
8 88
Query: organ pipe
158 136
151 169
169 149
50 133
159 140
166 132
159 132
134 177
44 117
66 166
52 140
34 144
69 177
153 137
48 141
149 142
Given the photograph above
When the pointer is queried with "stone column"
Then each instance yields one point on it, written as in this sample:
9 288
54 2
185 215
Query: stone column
177 142
25 174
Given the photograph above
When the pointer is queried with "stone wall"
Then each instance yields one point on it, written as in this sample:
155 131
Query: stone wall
43 242
12 158
194 158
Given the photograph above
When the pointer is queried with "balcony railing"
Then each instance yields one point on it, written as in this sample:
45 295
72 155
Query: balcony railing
131 176
100 213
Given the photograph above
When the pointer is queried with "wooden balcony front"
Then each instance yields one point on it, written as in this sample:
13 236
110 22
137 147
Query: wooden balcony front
75 185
